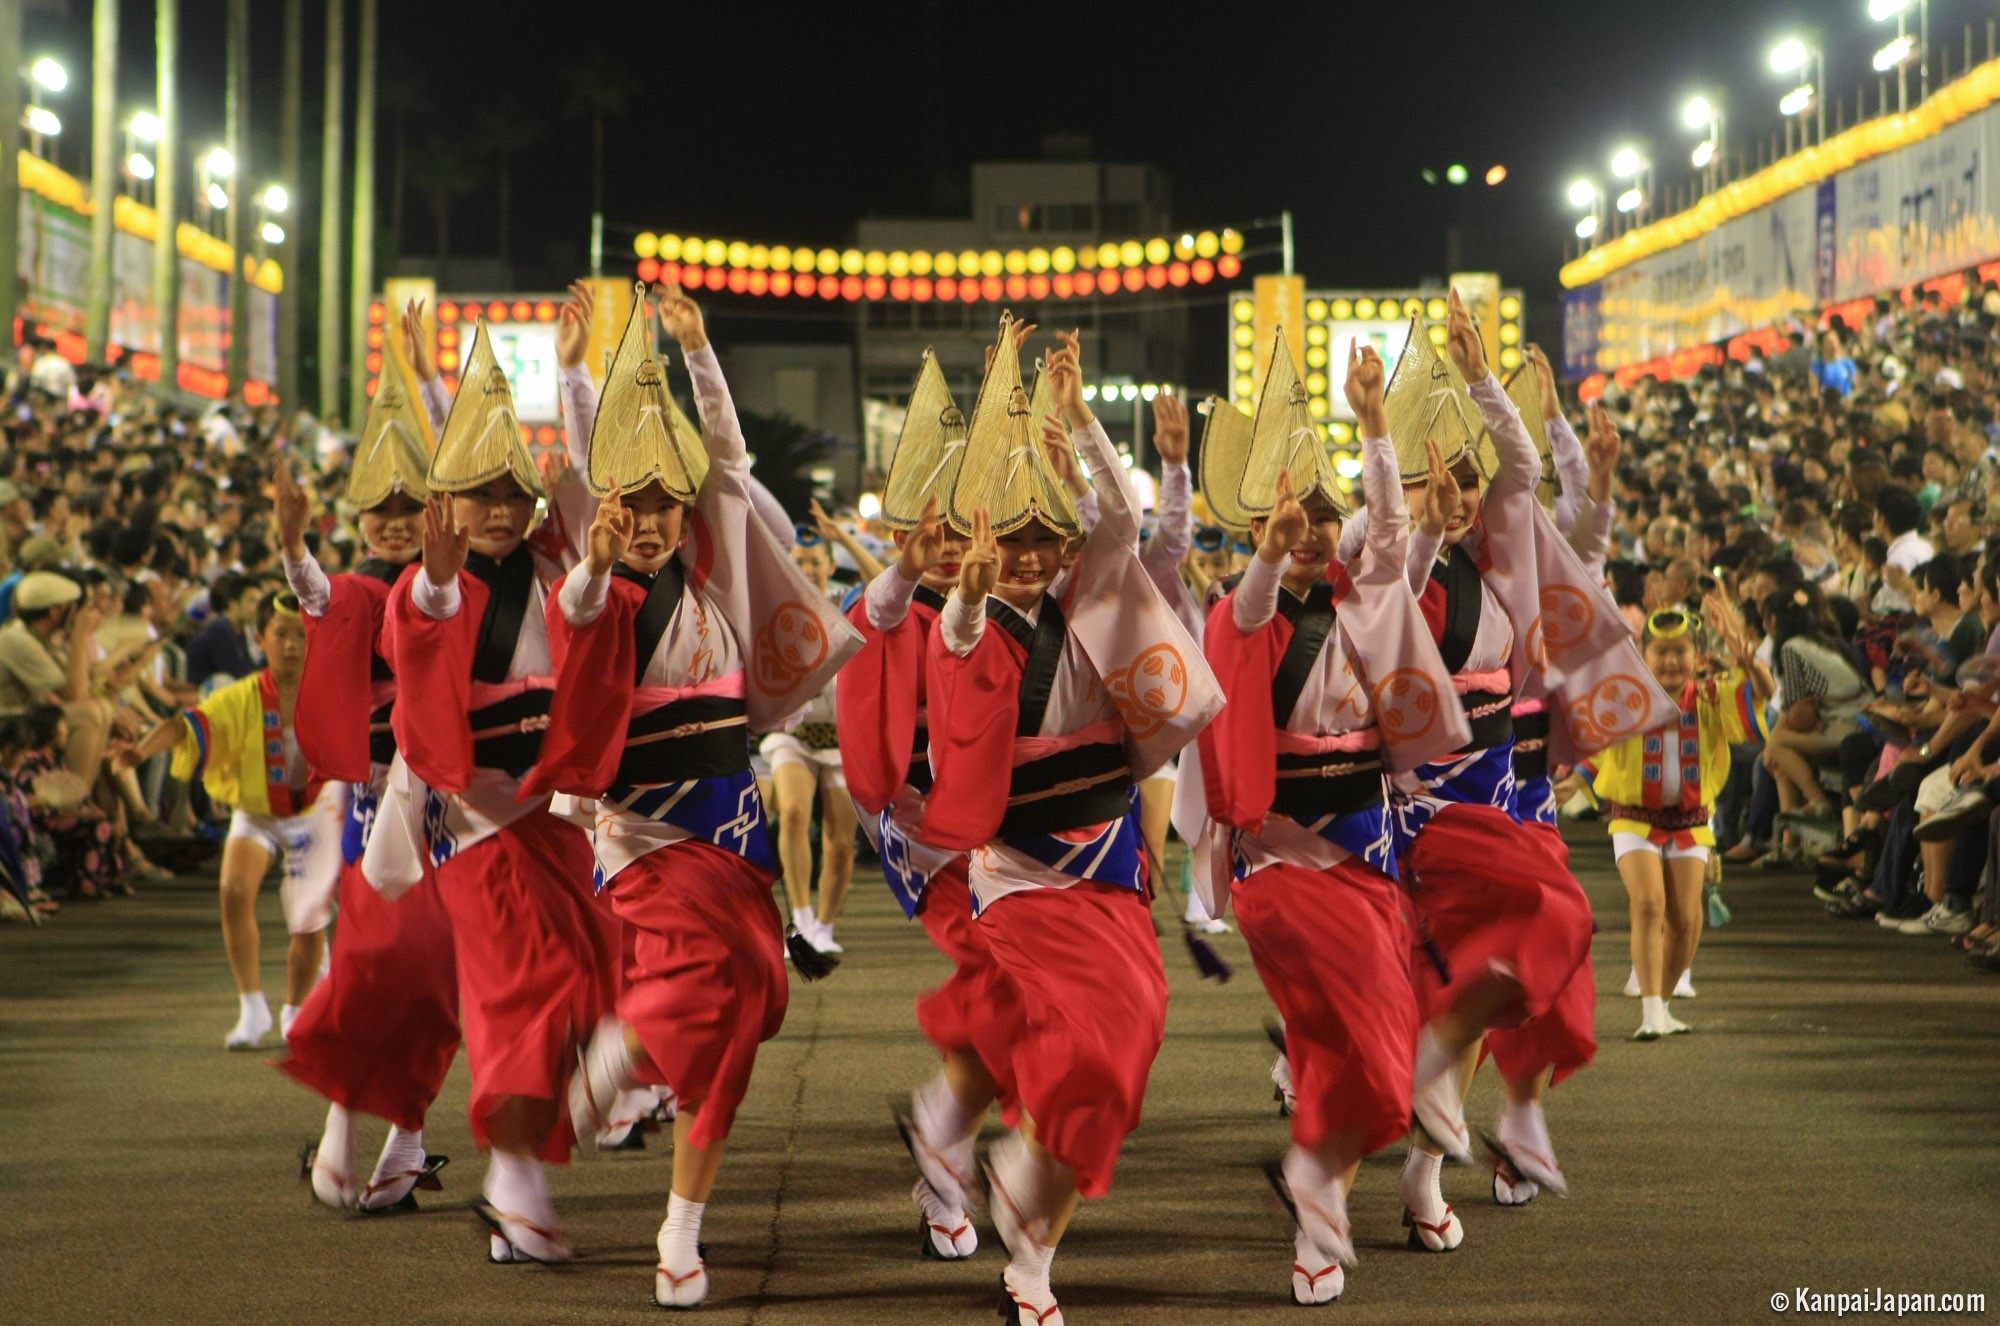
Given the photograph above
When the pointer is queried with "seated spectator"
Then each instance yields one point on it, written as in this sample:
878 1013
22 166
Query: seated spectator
1822 694
88 856
220 651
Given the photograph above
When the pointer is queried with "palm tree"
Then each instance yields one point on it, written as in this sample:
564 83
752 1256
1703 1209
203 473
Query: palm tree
783 447
600 88
448 172
400 99
507 128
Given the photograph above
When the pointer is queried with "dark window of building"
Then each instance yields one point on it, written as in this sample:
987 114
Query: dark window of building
1121 218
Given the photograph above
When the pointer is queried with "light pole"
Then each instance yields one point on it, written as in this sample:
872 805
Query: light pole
1629 163
217 164
1584 193
1793 55
1700 113
1898 53
44 75
273 201
141 132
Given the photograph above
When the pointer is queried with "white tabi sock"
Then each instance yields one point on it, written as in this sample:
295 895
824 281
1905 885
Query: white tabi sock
333 1161
1653 1012
680 1237
401 1160
253 1022
286 1017
946 1116
518 1186
804 921
1433 1060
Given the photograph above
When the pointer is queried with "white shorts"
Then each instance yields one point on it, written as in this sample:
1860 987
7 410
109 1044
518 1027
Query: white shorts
782 748
309 845
1624 844
1936 789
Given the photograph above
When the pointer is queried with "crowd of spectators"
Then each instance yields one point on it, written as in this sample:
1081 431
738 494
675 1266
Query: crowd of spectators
135 543
1846 491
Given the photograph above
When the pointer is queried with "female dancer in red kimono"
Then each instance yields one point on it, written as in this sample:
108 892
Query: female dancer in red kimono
1331 676
667 649
468 634
1504 926
973 1017
1077 681
379 1034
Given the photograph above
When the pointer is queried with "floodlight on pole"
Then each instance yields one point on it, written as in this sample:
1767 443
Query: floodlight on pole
1704 152
1626 162
1582 193
219 163
49 75
139 166
41 120
1587 227
1797 101
1698 113
145 127
272 233
1896 54
1630 200
274 198
218 197
1789 56
1884 10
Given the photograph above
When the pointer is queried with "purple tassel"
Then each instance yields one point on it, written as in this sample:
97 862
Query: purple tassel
1206 960
809 962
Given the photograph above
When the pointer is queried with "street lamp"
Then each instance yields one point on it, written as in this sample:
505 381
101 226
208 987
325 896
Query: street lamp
48 74
141 131
1792 56
40 123
271 201
1629 163
1584 193
1898 53
216 164
1700 113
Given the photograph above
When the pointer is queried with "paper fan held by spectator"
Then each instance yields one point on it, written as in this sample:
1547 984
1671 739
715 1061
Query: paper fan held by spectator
640 436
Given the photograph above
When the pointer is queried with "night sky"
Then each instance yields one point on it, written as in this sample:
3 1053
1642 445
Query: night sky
785 123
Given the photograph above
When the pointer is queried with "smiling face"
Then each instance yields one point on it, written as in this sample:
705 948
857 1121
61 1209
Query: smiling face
1030 558
1315 550
497 514
943 576
393 529
656 528
1466 473
815 561
1671 661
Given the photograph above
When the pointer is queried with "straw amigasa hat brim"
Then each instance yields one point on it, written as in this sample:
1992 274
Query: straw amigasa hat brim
394 452
640 436
1005 472
1426 400
482 434
929 451
1285 439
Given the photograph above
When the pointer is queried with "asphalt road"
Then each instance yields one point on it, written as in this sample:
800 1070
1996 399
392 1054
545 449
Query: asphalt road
1833 1126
